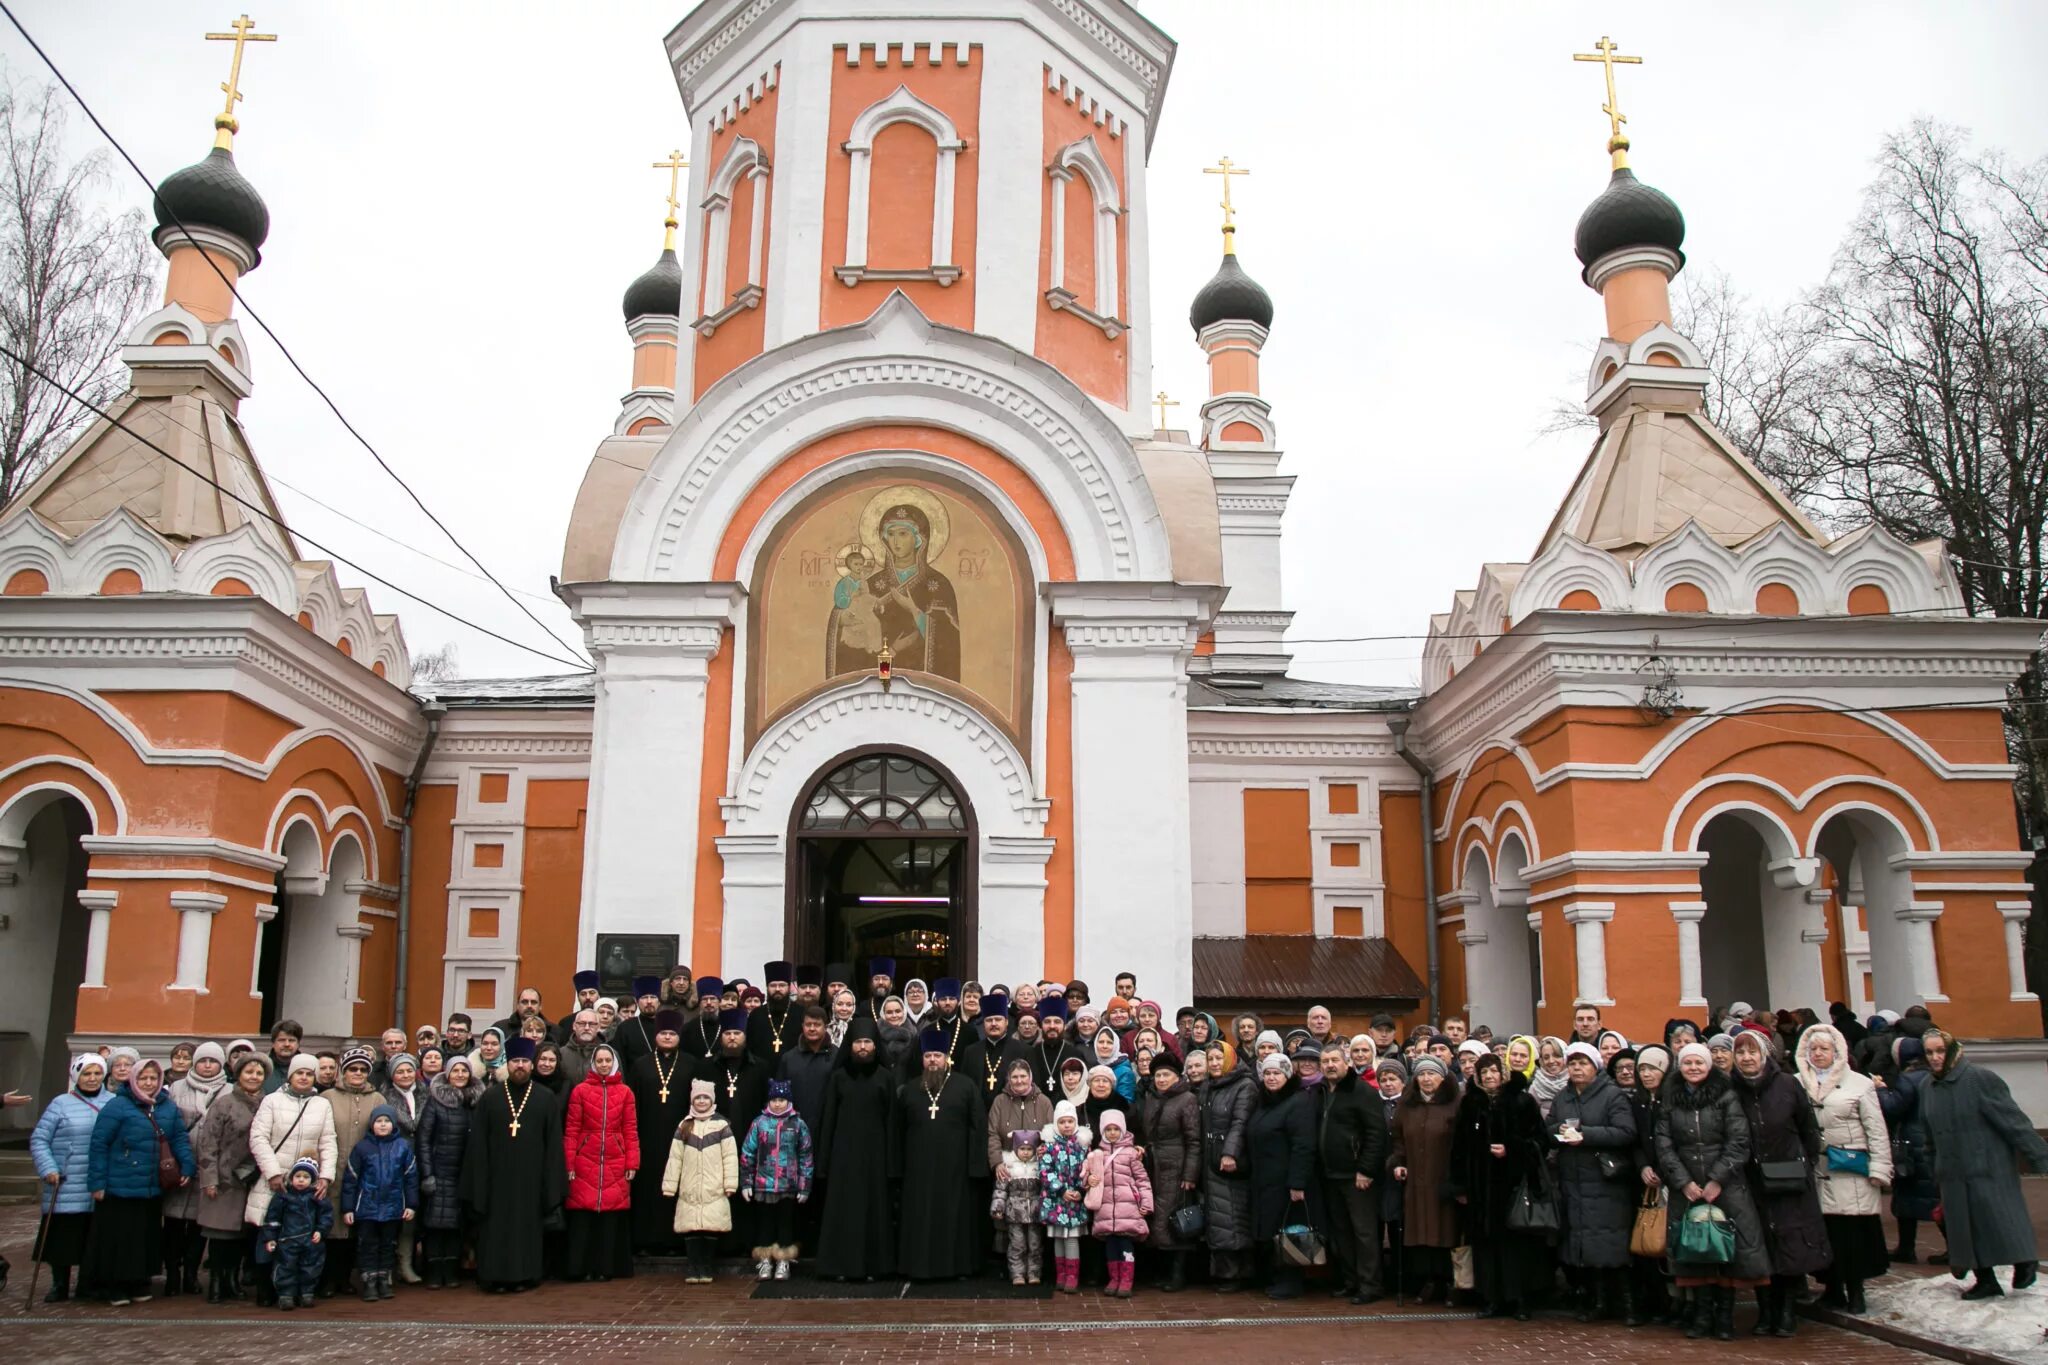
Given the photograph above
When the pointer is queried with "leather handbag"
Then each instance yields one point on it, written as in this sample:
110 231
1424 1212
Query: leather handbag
1652 1231
168 1172
1706 1235
1783 1177
1612 1167
1904 1163
1188 1222
1532 1207
1849 1160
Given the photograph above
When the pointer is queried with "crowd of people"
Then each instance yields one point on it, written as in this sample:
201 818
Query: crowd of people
927 1132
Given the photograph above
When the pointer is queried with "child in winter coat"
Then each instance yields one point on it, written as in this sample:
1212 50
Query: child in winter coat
380 1189
703 1171
294 1236
775 1170
1119 1193
1015 1205
1060 1199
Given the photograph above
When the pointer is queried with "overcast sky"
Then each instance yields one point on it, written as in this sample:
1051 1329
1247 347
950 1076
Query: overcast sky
459 193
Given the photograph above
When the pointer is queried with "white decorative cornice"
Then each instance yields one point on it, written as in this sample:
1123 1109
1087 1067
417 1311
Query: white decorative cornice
93 898
514 746
180 846
1349 749
208 902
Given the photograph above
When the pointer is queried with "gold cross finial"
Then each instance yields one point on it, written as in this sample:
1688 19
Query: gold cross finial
675 166
1226 168
1161 401
1607 54
225 126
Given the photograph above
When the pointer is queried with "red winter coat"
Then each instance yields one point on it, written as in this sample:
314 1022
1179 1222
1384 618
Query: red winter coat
601 1140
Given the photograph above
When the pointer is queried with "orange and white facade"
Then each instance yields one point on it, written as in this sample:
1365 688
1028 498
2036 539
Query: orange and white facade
914 320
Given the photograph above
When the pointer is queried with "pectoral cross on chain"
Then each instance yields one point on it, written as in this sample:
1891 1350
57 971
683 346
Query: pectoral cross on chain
664 1094
515 1128
935 1108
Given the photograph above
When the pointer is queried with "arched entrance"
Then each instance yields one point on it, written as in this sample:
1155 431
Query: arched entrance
1503 951
1872 925
42 872
1760 937
305 966
882 855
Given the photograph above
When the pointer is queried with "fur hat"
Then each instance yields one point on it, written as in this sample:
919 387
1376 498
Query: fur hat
521 1048
946 988
932 1040
1164 1060
668 1021
587 981
709 988
773 972
733 1020
646 985
1053 1007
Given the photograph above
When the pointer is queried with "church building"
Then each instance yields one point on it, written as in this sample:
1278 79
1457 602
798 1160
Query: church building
917 633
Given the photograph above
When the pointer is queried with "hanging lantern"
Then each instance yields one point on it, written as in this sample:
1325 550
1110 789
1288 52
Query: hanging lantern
883 670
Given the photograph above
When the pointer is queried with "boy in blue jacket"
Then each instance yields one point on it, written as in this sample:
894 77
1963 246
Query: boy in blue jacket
380 1189
294 1237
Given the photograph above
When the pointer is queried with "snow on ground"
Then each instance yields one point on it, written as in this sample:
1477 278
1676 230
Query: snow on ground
2015 1327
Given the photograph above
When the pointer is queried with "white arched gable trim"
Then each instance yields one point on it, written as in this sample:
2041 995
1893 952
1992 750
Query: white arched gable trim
1777 838
281 825
1928 839
121 540
743 158
893 368
1085 158
1568 566
1690 555
900 107
19 809
241 553
994 776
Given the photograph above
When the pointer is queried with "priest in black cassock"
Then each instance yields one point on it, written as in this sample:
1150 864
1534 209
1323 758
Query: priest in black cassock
742 1083
1052 1047
634 1037
660 1082
856 1232
945 1017
983 1060
514 1176
772 1029
700 1030
881 985
938 1150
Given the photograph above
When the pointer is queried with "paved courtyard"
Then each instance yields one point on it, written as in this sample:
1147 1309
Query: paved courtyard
655 1314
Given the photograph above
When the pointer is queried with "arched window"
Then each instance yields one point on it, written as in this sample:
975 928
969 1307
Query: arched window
1084 159
883 792
900 107
720 298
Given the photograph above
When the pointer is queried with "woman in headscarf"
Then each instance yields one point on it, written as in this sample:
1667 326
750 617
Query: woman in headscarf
601 1137
547 1068
1977 1136
1784 1133
898 1038
917 1001
61 1147
1721 1047
433 1061
1073 1082
126 1246
1521 1057
487 1063
204 1080
1858 1168
1595 1132
1915 1196
227 1168
438 1145
1646 1099
1550 1077
1702 1151
1423 1125
1498 1145
1109 1052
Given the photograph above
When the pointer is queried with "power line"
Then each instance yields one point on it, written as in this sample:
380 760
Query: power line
268 331
1720 623
265 513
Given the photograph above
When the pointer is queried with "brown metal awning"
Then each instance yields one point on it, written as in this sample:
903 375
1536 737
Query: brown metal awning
1298 968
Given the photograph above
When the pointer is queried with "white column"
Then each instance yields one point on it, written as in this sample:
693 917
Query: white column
754 901
1472 940
2016 913
265 913
352 980
1133 871
1009 158
1590 919
196 910
1535 919
97 928
653 644
1917 920
1691 994
1011 920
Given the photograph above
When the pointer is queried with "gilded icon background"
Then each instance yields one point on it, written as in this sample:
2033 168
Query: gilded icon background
920 564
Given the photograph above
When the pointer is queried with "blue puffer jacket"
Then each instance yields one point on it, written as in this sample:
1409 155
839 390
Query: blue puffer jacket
124 1145
381 1180
62 1142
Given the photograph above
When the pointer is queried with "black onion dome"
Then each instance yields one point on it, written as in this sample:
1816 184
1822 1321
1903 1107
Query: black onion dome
1629 213
1231 296
659 292
213 193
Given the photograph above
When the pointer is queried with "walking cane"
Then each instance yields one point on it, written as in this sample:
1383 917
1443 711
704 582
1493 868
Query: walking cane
42 1245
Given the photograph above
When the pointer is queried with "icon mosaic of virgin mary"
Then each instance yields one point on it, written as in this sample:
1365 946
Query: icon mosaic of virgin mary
888 591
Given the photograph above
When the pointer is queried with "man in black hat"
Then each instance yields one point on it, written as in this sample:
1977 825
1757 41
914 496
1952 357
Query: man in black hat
514 1175
857 1226
742 1082
838 977
810 982
881 985
588 985
939 1150
634 1037
947 1019
660 1082
772 1029
1052 1047
982 1060
1385 1037
676 994
700 1031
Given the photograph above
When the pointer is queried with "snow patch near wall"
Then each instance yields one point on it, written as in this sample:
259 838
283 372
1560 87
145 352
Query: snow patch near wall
2015 1327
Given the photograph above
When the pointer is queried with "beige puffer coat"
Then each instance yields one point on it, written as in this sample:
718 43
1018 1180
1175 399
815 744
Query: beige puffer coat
286 1128
703 1171
1845 1105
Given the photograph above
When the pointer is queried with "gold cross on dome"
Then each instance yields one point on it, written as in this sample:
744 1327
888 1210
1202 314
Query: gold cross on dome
1608 55
1162 402
675 166
224 122
1226 168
